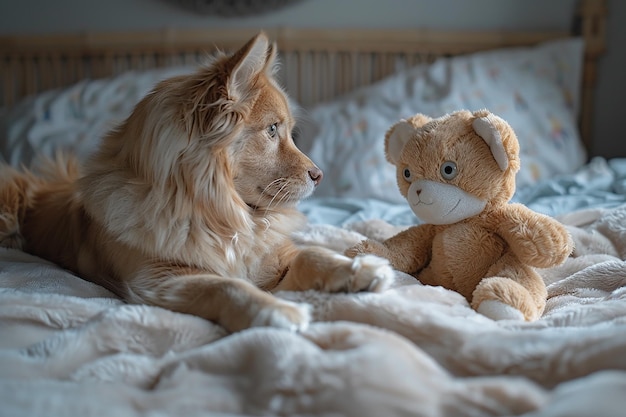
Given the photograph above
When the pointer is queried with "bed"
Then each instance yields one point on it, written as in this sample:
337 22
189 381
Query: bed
69 347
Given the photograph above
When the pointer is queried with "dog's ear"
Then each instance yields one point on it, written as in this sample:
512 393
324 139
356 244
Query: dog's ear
271 63
233 82
247 63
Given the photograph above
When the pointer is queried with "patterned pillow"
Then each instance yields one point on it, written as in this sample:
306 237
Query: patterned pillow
73 118
536 89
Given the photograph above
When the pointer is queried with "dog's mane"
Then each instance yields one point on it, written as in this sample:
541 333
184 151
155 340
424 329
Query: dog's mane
169 189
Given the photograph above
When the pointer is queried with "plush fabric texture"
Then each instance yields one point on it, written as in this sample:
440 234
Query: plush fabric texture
535 89
68 347
457 173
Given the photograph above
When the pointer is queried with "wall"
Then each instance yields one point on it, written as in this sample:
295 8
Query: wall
611 89
45 16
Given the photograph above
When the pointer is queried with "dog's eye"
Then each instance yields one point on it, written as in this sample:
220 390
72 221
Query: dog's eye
407 173
272 129
448 170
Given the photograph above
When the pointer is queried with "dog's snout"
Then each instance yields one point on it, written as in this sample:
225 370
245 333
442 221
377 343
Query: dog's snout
316 175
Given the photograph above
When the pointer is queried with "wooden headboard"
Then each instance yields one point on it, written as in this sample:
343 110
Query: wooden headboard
317 65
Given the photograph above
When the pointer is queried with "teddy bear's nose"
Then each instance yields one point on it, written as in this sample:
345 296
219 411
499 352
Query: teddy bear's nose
418 191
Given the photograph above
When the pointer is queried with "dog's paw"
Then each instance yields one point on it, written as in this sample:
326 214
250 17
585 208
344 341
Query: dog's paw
353 251
365 247
370 273
497 310
283 314
356 250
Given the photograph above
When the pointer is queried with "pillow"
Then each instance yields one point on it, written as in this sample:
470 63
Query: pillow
536 89
73 118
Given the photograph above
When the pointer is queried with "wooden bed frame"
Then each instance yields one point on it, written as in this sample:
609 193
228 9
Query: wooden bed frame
317 65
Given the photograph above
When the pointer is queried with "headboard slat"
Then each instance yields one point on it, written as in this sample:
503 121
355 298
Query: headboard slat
32 62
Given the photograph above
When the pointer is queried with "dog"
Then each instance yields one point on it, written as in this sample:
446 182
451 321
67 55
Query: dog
190 204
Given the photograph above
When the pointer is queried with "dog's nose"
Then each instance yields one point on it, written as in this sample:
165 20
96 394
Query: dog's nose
316 175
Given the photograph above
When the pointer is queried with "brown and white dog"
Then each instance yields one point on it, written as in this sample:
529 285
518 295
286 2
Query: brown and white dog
190 203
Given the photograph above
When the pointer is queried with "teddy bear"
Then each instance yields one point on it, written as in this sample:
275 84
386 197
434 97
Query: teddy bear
457 173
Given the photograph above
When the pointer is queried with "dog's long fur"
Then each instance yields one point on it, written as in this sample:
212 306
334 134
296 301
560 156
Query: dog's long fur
190 203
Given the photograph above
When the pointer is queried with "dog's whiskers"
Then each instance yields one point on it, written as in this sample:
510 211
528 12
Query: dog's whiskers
282 187
264 191
285 195
282 182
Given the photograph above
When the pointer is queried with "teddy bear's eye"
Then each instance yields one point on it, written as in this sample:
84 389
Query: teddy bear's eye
448 170
406 173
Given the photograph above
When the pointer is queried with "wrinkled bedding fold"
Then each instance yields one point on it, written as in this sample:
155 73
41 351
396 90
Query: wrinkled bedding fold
69 347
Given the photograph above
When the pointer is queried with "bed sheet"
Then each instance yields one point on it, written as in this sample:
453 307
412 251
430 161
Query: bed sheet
69 347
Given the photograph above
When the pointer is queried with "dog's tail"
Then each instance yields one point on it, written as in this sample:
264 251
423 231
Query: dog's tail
19 191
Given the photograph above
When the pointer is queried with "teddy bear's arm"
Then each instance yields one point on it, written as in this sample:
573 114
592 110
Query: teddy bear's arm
408 251
536 239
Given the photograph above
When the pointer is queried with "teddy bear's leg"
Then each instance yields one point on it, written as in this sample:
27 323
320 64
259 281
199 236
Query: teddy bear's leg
510 291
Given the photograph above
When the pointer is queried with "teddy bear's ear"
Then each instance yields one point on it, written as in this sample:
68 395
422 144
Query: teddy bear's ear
419 120
486 128
395 139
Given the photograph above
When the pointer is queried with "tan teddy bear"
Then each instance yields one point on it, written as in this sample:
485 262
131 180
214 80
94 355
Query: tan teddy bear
458 174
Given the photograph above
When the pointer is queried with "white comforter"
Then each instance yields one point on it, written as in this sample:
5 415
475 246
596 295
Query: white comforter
70 348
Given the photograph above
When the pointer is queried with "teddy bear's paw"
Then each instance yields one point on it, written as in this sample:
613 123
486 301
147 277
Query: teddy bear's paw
497 310
543 247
